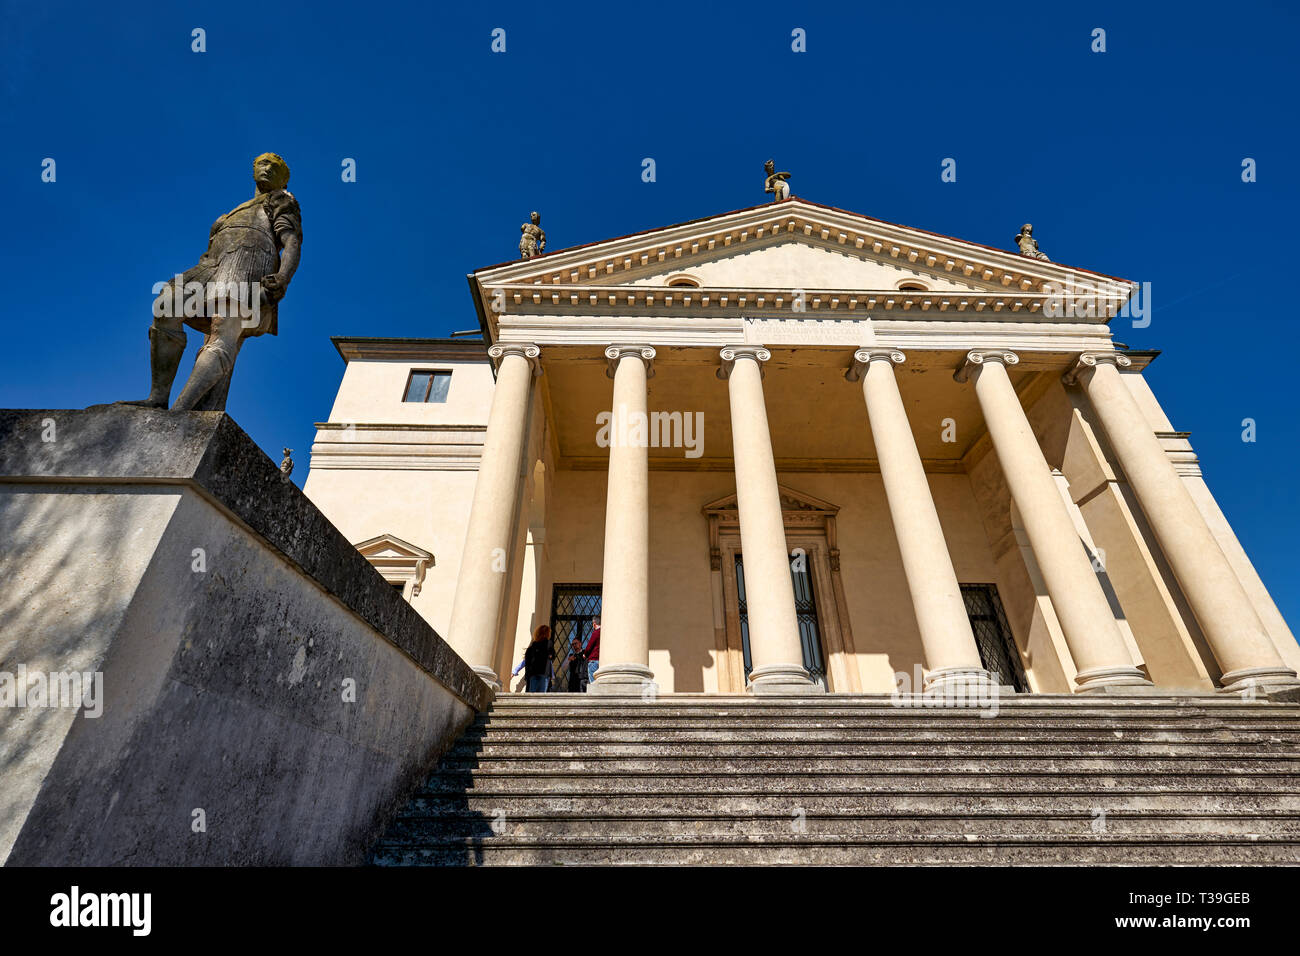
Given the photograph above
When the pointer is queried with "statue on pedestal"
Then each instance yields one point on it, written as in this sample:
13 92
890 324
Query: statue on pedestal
230 295
533 241
1028 245
777 183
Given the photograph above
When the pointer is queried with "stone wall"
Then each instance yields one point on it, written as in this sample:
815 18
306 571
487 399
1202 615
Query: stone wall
267 697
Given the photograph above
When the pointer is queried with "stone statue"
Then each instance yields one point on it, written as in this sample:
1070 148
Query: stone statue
1028 244
230 295
533 241
286 466
776 182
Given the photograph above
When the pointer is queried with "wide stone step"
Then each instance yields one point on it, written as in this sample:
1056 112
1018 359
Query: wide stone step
1081 802
987 763
883 700
1090 849
995 748
945 722
570 779
884 705
542 736
1040 779
579 704
415 830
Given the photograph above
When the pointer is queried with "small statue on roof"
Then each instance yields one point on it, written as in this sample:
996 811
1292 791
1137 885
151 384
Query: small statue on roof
1028 245
286 466
533 241
776 182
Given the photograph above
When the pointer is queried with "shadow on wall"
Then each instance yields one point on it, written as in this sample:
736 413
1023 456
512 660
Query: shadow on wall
67 566
689 664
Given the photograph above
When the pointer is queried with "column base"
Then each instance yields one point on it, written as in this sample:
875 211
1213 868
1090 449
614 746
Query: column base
489 677
779 680
1108 679
1259 681
963 680
624 680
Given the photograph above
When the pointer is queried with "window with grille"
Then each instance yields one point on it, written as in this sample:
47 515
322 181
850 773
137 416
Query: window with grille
427 385
574 609
805 612
997 646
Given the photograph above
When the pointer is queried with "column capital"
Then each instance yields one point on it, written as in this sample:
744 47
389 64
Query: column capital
524 349
1090 360
614 353
730 353
864 357
977 357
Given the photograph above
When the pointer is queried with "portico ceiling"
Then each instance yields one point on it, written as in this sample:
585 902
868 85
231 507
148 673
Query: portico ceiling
817 419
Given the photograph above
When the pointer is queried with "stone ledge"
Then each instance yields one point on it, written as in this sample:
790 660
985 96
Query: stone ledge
209 452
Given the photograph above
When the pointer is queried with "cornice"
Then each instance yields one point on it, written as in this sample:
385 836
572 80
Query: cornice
938 466
397 427
531 298
371 348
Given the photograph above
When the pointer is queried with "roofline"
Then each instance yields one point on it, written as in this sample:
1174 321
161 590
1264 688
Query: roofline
352 347
847 212
1141 358
475 292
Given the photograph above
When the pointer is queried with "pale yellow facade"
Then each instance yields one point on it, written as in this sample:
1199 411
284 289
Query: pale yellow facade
829 409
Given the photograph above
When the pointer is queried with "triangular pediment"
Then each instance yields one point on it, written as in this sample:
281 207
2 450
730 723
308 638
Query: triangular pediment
791 500
795 244
790 262
386 547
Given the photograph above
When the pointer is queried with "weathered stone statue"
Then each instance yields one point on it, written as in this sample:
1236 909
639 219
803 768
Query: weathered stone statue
776 182
1028 245
286 466
533 241
230 295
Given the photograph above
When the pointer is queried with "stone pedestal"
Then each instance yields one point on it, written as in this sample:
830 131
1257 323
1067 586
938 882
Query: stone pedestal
266 697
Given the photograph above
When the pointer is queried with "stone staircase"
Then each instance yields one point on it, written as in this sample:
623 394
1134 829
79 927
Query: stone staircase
856 779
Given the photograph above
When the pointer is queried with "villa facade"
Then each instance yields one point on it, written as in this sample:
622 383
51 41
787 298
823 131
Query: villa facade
792 449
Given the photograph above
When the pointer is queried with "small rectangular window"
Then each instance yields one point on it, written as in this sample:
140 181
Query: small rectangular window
426 385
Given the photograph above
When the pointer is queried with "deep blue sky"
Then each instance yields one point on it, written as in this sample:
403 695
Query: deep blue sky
1128 162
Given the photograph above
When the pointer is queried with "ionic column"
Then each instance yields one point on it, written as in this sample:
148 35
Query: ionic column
951 655
625 584
774 647
1225 613
1100 654
484 565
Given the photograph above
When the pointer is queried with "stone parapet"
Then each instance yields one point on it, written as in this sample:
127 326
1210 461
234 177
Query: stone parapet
267 698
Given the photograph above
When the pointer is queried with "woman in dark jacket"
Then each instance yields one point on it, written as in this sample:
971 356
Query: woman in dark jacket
536 664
